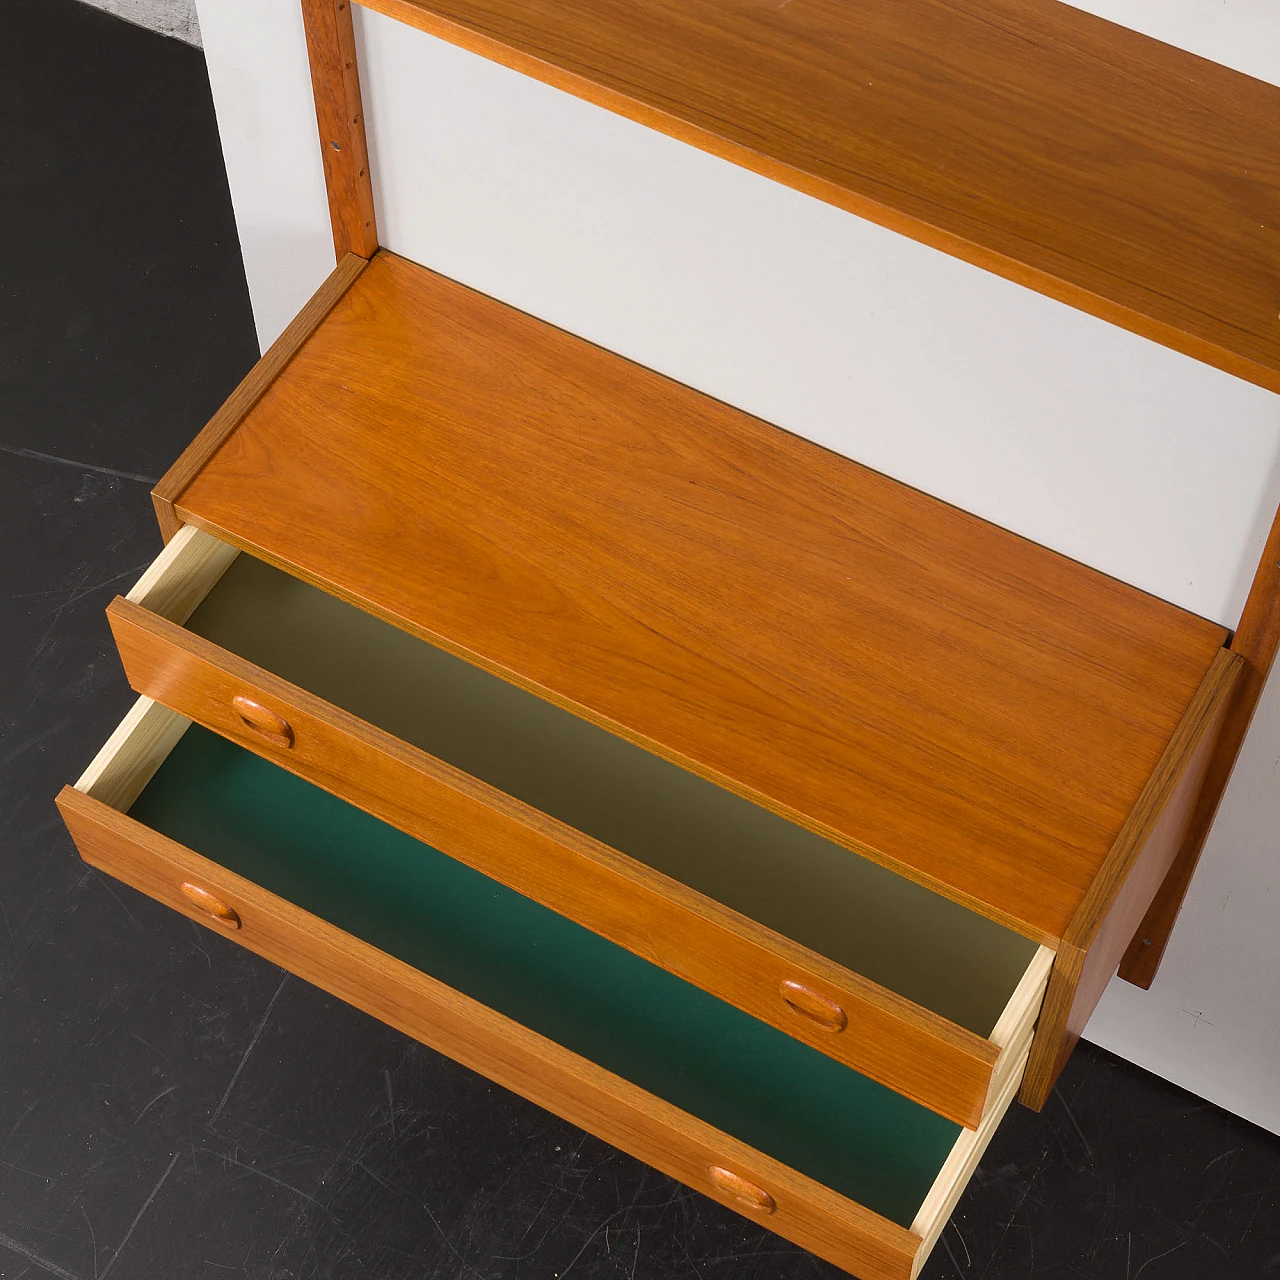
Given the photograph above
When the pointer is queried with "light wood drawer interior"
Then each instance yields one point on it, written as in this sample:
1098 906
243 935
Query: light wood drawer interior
729 1104
975 985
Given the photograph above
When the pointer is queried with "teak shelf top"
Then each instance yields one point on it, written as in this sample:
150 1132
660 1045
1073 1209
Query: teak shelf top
963 705
1123 176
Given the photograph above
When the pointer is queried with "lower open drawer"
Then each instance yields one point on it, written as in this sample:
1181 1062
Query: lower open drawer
726 1103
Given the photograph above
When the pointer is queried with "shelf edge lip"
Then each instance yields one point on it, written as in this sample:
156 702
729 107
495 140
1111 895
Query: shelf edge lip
255 384
1122 890
1141 322
1201 718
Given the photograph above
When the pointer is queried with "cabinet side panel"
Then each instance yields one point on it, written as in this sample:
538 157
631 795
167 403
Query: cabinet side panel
1125 888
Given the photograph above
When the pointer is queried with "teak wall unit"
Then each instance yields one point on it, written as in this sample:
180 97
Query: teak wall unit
824 810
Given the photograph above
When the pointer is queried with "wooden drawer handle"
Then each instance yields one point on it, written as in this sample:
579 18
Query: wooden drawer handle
206 901
826 1013
735 1185
263 721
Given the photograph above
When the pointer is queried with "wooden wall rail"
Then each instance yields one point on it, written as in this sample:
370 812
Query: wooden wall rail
335 82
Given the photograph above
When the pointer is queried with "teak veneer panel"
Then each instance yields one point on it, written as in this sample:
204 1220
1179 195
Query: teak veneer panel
959 704
1118 174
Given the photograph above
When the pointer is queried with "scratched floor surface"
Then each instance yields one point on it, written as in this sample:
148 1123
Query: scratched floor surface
173 1108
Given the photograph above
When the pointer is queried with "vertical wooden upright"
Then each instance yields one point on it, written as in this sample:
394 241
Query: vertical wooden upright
335 83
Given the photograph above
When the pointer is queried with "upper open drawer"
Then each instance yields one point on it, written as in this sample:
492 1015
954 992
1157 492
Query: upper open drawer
907 987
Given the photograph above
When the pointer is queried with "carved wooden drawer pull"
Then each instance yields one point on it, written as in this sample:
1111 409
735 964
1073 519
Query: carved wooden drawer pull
735 1185
826 1013
263 721
215 906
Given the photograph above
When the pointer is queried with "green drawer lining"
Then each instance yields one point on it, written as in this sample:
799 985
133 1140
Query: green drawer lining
548 973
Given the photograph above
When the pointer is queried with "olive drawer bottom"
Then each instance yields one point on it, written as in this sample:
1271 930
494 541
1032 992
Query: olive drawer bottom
623 1048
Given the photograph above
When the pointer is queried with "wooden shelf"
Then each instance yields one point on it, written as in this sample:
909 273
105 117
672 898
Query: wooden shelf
1120 175
954 701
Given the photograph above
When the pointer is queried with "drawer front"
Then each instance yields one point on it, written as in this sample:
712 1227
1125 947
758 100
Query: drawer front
922 1056
737 1175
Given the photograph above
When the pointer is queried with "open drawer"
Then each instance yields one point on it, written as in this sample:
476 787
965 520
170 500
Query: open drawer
880 974
733 1107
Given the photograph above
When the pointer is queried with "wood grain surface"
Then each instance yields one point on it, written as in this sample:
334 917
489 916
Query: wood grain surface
613 1109
1256 641
1128 880
969 709
885 1036
246 395
335 85
1118 174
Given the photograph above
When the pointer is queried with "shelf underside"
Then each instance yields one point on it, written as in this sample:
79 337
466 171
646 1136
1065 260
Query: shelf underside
953 701
1125 177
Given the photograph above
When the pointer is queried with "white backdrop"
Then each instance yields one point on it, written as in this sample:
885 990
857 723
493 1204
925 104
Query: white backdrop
1103 445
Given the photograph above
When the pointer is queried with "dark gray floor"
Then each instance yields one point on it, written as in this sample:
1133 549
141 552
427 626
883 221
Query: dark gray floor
171 1107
